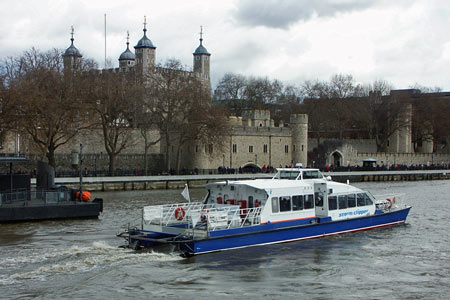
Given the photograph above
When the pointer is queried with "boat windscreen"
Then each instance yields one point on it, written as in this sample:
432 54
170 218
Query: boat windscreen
314 174
291 175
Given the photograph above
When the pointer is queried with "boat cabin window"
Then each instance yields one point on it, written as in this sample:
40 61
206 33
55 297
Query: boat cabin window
309 201
275 205
285 203
319 199
294 203
250 201
314 174
351 200
363 199
332 203
343 203
297 202
291 175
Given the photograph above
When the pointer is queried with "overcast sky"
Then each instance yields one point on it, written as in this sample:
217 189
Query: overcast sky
403 41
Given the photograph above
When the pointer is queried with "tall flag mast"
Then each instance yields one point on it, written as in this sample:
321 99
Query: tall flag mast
105 41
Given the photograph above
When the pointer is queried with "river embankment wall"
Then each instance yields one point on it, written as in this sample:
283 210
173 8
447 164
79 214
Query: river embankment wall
129 183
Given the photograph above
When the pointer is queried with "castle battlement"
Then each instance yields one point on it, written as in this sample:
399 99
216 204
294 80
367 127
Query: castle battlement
262 131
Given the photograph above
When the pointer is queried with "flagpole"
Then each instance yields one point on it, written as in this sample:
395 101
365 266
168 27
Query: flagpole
185 193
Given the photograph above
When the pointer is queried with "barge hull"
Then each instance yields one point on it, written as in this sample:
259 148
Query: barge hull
74 210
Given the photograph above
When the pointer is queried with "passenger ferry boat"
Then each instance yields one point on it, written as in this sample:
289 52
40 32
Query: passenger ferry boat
296 204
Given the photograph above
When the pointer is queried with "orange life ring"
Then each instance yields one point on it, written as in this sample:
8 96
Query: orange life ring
390 203
180 213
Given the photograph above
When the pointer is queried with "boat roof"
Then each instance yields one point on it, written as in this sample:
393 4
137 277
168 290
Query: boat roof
297 169
263 184
276 184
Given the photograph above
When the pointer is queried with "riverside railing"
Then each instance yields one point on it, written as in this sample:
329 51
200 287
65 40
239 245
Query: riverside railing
25 197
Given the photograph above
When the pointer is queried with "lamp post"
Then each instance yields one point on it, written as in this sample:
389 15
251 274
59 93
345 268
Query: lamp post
81 172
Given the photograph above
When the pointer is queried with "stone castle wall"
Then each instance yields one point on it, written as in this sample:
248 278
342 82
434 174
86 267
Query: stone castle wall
257 143
92 140
95 164
408 159
360 145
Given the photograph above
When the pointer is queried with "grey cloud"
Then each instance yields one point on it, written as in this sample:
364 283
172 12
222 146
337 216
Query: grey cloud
283 13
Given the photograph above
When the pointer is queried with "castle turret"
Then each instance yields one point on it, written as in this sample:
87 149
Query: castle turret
127 58
201 58
72 57
299 131
145 53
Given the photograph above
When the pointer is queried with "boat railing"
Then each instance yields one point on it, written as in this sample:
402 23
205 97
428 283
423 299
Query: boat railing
201 216
168 214
389 201
231 216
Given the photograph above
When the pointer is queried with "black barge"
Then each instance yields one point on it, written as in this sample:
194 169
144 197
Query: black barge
19 203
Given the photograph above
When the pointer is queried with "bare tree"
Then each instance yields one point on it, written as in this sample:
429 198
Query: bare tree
7 105
314 89
426 89
231 87
182 106
341 86
430 120
261 91
47 106
380 86
113 96
147 127
231 90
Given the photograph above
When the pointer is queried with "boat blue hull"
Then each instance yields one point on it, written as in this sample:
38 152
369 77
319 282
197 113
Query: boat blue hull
288 232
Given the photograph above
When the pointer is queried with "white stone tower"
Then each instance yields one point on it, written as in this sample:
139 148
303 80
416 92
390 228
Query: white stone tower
299 131
145 54
201 59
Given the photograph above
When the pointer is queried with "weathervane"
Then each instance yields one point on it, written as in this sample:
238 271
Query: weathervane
71 33
201 34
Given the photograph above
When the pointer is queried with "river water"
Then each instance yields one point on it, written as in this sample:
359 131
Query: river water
80 259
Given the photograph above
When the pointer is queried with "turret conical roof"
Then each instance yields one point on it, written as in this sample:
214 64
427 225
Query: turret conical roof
127 54
72 50
145 42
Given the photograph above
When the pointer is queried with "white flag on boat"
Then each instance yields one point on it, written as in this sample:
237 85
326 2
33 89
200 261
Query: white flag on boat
185 193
